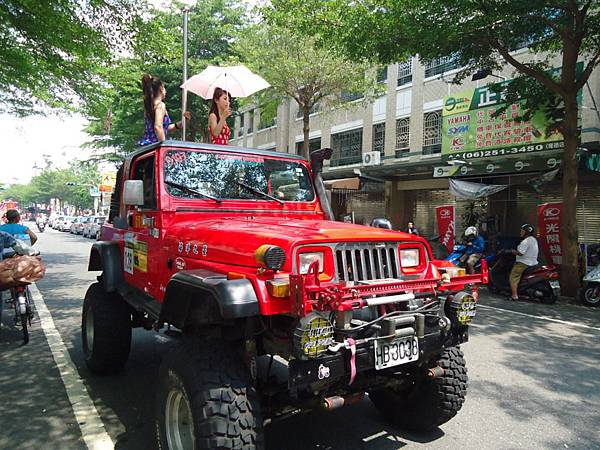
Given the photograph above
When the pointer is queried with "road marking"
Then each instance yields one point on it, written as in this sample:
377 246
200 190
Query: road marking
549 319
375 436
91 425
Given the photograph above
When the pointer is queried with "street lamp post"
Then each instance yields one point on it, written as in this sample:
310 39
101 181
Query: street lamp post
186 11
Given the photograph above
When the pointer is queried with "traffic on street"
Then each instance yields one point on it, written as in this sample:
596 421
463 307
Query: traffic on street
533 379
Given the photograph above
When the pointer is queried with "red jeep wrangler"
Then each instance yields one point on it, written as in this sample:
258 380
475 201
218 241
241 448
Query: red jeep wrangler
278 308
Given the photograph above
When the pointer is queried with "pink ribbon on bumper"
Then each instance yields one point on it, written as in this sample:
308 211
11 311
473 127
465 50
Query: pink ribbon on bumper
352 347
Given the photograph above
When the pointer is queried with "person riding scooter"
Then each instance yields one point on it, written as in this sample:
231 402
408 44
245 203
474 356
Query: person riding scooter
474 246
526 256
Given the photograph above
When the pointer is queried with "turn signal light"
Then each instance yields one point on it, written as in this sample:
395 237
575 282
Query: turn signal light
278 287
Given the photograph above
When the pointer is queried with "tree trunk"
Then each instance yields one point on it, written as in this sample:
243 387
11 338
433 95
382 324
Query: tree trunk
306 129
569 274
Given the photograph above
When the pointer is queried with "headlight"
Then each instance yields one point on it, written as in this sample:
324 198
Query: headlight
312 336
306 259
409 257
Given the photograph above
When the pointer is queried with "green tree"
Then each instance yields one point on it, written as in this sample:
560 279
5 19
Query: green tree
117 116
51 50
296 68
479 34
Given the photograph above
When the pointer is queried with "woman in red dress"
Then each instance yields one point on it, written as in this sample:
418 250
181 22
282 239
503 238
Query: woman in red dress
217 117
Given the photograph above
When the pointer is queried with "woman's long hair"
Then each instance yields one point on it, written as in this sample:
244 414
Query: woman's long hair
151 88
216 96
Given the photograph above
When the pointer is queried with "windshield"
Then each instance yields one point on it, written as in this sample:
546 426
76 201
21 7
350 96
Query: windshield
220 175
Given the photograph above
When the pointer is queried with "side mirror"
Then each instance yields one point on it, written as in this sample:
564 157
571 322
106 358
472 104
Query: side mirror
133 192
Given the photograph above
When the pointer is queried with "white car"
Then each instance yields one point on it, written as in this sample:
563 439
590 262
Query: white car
91 228
64 224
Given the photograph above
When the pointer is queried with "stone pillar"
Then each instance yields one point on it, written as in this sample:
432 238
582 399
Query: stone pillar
416 106
390 108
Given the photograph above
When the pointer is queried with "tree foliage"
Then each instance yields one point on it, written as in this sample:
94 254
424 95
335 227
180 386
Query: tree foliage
52 183
477 34
295 67
51 50
117 116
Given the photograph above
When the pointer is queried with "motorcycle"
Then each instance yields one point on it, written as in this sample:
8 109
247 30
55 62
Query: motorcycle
589 293
20 298
537 283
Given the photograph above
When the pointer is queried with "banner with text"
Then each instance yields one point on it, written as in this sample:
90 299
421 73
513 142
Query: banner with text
445 222
470 132
550 223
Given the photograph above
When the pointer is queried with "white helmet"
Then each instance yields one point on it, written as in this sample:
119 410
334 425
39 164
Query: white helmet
471 231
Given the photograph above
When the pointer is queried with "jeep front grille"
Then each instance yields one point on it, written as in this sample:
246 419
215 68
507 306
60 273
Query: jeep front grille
368 261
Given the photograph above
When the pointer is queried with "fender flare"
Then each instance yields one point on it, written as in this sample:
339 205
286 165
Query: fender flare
201 297
106 256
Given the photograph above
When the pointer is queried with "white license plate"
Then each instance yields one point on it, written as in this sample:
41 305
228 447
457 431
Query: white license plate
394 353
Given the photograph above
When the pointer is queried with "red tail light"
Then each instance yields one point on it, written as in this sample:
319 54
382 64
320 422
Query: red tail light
553 275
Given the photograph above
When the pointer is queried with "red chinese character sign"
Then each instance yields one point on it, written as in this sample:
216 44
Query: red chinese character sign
445 222
550 223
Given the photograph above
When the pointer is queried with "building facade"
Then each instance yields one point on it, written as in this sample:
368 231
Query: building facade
404 128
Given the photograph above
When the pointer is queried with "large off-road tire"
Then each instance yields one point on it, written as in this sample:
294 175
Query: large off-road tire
589 294
429 402
205 399
105 330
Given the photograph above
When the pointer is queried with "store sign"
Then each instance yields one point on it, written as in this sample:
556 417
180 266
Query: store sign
550 224
445 222
470 132
108 182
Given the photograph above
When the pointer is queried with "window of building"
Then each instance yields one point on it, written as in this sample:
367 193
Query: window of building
347 147
405 72
402 136
382 74
241 128
313 144
267 123
432 133
379 138
349 96
441 65
250 122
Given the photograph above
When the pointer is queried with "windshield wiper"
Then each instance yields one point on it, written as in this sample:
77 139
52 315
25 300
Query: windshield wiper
191 191
259 192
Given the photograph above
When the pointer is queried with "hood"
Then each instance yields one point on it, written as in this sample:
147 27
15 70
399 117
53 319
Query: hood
234 240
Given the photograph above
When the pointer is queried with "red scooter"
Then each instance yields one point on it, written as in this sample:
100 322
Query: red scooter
538 283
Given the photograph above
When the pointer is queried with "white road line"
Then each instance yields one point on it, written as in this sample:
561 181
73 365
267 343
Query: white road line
91 426
549 319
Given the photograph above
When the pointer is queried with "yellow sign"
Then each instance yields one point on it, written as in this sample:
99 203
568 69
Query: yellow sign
140 256
108 179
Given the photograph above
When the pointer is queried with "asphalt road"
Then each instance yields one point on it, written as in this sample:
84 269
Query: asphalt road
533 381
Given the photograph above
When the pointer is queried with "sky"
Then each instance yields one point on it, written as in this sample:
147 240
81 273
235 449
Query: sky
27 140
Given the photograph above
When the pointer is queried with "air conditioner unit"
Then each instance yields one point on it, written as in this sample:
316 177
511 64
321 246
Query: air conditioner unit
371 158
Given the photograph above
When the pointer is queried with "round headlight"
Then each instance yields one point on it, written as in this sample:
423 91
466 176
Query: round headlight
270 256
312 336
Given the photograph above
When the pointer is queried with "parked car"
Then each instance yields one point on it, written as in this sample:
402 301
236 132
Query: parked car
64 223
81 223
55 220
95 226
74 225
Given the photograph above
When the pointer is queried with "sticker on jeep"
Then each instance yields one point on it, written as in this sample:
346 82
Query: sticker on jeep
128 258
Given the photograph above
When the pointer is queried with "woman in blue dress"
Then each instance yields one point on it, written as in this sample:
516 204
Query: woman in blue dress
157 122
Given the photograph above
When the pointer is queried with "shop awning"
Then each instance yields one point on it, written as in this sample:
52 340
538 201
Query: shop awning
343 183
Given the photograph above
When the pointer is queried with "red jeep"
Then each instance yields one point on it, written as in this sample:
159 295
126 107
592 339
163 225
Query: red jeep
278 308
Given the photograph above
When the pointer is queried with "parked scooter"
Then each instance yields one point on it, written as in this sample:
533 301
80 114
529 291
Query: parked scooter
536 282
589 293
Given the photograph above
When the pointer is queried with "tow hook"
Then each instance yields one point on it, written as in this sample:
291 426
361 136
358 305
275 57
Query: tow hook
435 372
337 401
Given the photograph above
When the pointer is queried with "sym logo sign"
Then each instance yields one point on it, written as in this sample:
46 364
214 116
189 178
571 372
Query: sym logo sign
445 213
551 212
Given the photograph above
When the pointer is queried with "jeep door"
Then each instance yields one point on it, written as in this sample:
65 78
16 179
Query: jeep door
142 238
